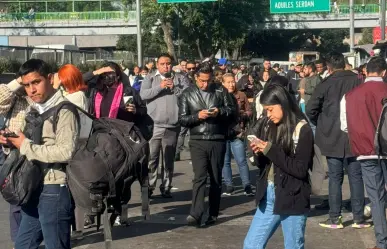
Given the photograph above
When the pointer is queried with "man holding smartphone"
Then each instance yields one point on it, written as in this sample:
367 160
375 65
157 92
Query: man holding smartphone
205 108
161 90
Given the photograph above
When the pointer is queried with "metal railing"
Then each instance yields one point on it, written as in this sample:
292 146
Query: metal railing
43 16
63 56
344 9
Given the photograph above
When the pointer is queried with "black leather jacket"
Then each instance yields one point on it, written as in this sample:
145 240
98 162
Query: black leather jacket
191 103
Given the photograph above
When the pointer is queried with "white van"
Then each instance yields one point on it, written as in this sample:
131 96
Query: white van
59 53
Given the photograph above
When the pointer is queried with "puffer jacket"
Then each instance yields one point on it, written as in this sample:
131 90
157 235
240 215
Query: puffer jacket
214 128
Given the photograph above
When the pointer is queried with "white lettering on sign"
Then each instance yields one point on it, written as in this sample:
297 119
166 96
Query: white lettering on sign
284 5
299 4
304 4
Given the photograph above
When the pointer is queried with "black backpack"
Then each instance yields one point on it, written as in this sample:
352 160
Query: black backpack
22 180
103 169
380 141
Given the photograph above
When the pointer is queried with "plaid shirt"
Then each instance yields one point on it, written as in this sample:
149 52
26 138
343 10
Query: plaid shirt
18 104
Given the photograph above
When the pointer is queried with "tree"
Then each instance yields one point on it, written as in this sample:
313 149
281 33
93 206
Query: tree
367 36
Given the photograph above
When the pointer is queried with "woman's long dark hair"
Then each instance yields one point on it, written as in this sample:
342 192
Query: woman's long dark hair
282 133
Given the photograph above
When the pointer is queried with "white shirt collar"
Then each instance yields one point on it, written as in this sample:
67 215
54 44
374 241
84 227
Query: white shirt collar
373 79
158 73
41 108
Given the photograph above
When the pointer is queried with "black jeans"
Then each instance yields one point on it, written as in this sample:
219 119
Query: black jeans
207 159
356 185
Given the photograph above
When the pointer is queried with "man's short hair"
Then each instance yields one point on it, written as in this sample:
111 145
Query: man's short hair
149 61
164 55
376 65
204 68
319 61
312 65
335 60
191 62
235 67
35 65
276 65
182 61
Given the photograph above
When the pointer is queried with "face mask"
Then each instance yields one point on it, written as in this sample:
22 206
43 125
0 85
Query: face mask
143 75
108 79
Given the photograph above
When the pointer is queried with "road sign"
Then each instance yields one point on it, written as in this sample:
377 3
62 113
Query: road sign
298 6
185 1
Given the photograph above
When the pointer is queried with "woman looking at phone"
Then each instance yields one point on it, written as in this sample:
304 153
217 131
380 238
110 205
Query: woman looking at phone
283 189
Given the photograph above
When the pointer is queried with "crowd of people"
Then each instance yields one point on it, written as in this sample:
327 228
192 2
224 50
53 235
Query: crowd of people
274 120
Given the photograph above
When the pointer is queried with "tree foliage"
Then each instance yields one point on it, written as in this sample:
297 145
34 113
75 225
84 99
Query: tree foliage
367 36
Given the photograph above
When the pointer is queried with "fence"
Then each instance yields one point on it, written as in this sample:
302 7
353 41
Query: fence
64 56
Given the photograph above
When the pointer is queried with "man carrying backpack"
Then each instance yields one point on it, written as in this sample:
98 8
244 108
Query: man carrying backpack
365 103
50 219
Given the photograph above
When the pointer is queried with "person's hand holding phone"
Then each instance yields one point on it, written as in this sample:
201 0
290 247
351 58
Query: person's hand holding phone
131 108
203 114
256 144
164 83
170 84
213 112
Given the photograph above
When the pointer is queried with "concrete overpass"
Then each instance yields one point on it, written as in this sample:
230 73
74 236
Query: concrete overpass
62 24
319 21
69 27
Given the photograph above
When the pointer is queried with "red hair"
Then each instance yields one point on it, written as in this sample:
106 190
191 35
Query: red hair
71 78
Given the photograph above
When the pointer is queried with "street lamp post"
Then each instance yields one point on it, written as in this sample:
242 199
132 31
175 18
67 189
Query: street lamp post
383 19
351 25
139 40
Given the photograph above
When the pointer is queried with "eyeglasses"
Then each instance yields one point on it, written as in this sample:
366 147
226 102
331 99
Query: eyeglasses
191 68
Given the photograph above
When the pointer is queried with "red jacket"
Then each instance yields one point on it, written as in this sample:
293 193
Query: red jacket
364 106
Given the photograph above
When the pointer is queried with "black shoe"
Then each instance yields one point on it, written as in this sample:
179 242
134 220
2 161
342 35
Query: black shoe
166 194
150 193
191 221
249 191
211 220
323 206
177 157
229 190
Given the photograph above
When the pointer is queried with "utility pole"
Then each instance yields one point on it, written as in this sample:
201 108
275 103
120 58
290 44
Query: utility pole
139 41
383 19
351 25
178 32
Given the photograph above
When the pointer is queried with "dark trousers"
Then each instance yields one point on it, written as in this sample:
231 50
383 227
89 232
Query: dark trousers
356 185
14 220
50 220
375 179
207 159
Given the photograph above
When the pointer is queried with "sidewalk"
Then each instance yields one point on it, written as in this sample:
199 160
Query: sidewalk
167 228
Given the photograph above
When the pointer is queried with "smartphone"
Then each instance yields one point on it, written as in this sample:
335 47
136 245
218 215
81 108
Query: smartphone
212 109
129 100
10 134
253 139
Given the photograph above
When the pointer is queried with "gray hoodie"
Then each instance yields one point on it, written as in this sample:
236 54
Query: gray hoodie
162 104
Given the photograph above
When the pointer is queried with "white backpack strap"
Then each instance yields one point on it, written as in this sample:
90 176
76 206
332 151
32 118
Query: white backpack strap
296 133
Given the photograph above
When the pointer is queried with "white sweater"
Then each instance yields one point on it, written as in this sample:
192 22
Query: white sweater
79 99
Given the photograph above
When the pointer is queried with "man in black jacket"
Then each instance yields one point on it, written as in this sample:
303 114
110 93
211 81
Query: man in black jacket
323 110
206 108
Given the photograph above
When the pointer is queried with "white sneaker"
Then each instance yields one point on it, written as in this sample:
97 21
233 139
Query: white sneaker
117 221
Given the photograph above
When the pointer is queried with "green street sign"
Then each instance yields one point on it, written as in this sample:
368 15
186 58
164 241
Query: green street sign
185 1
298 6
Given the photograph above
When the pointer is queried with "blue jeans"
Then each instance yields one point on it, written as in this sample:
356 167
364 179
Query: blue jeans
50 220
375 179
238 149
356 185
265 223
